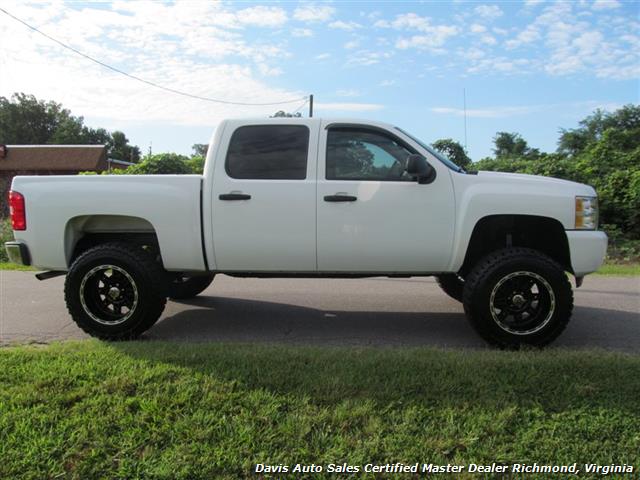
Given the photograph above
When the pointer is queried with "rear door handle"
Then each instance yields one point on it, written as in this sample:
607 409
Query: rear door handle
234 196
340 198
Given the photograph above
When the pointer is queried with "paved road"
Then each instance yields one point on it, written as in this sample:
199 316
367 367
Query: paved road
376 311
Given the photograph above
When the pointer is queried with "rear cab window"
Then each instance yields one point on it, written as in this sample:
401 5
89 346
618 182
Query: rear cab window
268 152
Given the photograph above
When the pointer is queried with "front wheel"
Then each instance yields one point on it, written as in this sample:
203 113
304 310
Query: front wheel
115 291
516 297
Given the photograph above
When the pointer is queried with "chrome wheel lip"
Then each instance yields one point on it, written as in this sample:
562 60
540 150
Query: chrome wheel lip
541 325
86 308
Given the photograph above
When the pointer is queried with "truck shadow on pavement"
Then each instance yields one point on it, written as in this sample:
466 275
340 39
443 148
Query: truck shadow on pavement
239 320
226 319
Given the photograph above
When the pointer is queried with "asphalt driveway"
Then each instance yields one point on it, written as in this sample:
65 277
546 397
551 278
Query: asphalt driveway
377 311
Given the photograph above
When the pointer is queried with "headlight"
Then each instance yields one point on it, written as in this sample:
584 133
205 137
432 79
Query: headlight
586 213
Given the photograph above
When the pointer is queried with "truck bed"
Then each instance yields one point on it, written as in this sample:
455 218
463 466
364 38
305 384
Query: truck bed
61 209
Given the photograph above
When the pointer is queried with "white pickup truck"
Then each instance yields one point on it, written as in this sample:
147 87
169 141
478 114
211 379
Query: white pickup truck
312 198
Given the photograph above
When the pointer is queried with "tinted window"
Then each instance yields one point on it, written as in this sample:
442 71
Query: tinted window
360 154
269 152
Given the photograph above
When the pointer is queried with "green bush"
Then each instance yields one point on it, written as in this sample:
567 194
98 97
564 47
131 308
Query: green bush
6 235
161 164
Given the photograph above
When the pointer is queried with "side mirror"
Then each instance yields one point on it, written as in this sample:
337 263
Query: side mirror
420 169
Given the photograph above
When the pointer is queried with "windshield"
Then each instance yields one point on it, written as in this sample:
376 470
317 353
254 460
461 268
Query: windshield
433 152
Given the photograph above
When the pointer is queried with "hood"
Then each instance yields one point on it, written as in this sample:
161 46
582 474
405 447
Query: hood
536 180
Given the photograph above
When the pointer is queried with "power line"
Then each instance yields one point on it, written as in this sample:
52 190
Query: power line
300 107
148 82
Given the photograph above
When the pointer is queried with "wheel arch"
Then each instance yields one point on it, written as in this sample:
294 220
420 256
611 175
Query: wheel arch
86 231
493 232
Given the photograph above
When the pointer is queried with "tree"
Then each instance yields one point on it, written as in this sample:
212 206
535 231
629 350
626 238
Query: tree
592 128
509 145
26 120
200 149
120 149
282 113
453 150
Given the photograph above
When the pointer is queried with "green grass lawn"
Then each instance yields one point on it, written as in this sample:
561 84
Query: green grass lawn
629 269
160 410
13 266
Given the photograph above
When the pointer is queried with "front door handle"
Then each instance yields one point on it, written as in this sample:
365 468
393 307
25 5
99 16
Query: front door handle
234 196
340 198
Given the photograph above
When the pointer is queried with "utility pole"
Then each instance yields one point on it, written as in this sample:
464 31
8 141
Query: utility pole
311 105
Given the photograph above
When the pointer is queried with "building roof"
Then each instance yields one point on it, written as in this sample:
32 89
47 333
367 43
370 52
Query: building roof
54 157
115 161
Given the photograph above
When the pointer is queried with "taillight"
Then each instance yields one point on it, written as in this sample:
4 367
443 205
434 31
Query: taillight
17 211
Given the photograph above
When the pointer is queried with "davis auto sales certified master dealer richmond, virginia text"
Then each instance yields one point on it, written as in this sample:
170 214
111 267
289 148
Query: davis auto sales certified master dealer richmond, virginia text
430 468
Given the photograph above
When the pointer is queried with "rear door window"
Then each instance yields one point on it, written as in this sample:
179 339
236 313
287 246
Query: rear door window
268 152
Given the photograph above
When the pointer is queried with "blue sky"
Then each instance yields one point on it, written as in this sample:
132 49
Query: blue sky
529 67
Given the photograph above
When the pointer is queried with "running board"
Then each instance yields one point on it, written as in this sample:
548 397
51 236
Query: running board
50 274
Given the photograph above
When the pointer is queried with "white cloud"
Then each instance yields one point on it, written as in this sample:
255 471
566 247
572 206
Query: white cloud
477 28
366 58
347 107
348 93
481 62
387 83
262 16
432 36
473 53
323 56
267 71
561 43
428 42
348 26
302 32
194 47
313 13
490 12
511 111
488 39
606 4
406 20
351 44
493 112
528 35
533 3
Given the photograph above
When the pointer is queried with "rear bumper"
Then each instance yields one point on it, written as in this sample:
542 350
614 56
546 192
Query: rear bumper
588 249
18 253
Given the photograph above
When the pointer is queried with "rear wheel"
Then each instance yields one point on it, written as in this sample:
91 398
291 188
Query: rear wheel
115 291
452 284
517 297
187 286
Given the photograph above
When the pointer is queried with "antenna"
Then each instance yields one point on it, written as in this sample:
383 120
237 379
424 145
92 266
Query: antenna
464 103
310 105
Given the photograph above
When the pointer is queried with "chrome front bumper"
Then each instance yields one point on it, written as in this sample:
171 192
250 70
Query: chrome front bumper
18 253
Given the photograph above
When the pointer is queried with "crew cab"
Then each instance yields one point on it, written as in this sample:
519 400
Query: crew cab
313 197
